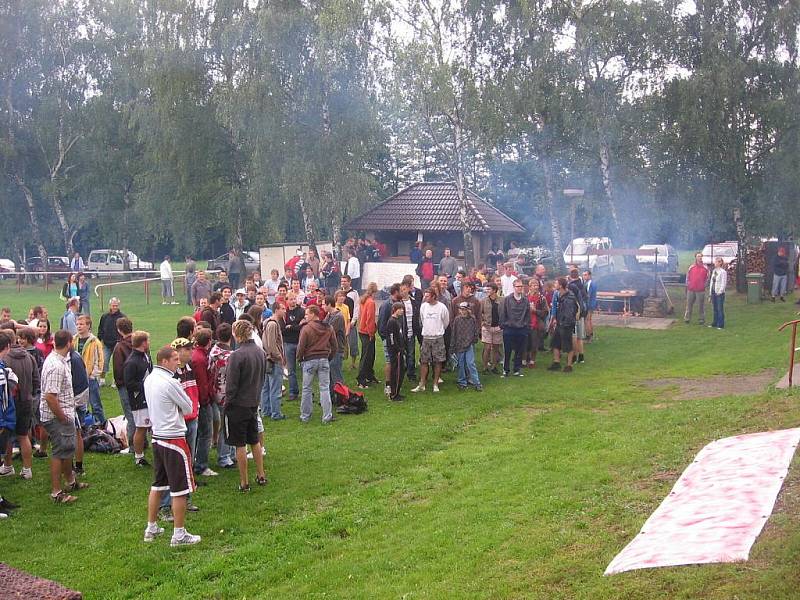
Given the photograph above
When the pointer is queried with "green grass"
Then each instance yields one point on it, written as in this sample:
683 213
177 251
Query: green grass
527 490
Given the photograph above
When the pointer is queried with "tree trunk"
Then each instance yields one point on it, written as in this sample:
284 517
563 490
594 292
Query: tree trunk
238 235
555 227
605 170
126 205
35 232
308 225
458 168
741 262
62 221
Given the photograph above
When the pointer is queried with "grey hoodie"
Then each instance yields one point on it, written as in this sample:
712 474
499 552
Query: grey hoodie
27 372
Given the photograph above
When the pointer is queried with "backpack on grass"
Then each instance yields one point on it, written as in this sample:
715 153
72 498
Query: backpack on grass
96 439
347 401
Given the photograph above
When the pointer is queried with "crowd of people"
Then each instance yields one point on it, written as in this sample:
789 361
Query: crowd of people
244 352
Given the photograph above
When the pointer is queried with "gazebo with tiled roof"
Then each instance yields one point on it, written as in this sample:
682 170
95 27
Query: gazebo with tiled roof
429 212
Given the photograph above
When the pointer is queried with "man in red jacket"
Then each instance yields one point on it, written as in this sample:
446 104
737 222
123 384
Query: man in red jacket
205 392
696 279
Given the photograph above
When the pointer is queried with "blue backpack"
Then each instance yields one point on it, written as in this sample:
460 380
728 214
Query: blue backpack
8 394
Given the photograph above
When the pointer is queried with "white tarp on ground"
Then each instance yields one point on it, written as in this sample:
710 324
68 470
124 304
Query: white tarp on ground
717 507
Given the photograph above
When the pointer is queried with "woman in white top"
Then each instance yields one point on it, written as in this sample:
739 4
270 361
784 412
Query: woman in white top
719 281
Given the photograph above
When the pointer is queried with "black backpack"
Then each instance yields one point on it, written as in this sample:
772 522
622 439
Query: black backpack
96 439
347 401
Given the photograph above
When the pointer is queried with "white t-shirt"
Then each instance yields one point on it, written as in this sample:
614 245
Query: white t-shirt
435 318
272 289
409 317
353 268
507 282
166 270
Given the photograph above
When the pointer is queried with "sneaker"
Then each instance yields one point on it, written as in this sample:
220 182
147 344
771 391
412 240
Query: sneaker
568 369
580 359
7 471
229 465
244 488
518 374
6 505
278 418
440 381
387 390
163 303
26 474
504 374
330 420
783 299
478 388
151 534
165 514
173 303
363 387
397 398
186 540
78 470
249 456
207 472
462 387
419 388
531 364
192 508
435 388
3 515
554 367
142 462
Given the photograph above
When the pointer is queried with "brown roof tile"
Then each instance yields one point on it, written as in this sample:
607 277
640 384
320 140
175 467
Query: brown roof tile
432 207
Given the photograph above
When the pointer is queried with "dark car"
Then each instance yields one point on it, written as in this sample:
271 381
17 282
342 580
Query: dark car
251 262
55 264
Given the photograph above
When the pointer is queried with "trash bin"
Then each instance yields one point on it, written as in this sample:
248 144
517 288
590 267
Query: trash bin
755 283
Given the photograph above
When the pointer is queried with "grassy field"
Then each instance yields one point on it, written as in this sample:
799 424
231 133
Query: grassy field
525 491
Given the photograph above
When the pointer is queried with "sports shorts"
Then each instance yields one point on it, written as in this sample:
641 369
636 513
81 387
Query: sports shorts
172 465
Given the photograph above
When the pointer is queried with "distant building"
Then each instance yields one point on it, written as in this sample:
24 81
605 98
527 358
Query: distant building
429 212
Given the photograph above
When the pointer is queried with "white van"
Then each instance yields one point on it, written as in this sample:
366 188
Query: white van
582 252
111 260
727 251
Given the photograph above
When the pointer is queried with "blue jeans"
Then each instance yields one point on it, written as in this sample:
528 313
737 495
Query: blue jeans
126 410
191 439
226 455
352 341
290 350
718 304
271 391
204 422
467 371
337 376
94 401
107 359
779 285
321 368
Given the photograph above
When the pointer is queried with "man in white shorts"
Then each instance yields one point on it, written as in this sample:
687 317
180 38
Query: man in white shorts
137 367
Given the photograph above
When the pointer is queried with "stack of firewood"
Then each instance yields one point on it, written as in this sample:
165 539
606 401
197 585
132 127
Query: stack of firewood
756 260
